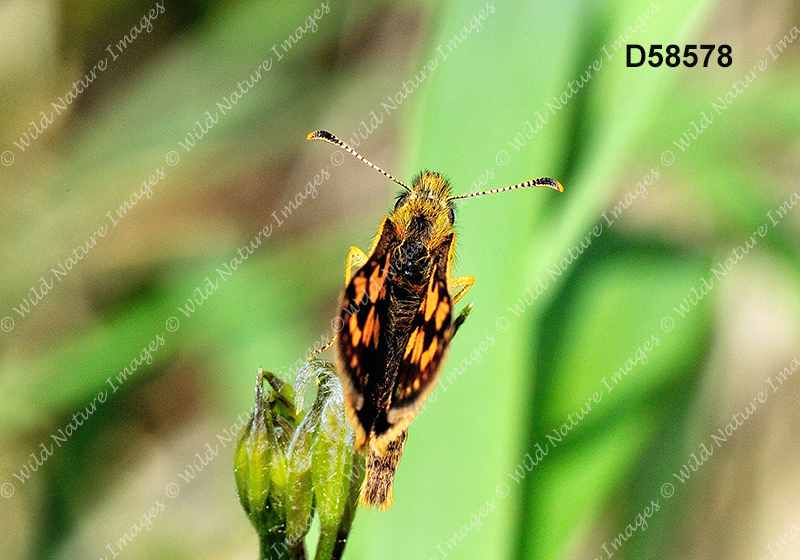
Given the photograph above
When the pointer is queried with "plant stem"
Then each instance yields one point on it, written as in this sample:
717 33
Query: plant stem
297 551
272 542
266 544
357 472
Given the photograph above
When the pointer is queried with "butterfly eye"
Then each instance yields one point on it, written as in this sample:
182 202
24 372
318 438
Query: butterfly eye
400 200
452 215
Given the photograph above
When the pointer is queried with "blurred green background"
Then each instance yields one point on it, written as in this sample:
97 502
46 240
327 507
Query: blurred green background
671 215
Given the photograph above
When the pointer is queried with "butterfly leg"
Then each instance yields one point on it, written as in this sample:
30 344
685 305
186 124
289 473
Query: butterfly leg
460 286
321 350
355 259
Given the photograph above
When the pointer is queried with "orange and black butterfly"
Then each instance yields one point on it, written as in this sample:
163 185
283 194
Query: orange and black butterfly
396 318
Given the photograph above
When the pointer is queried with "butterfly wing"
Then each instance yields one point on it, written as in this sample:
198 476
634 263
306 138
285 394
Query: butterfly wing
362 344
423 354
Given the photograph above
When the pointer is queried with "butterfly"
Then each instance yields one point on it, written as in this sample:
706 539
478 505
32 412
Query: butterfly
396 318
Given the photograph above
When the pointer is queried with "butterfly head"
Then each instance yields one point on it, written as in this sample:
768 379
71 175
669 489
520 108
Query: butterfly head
425 211
423 218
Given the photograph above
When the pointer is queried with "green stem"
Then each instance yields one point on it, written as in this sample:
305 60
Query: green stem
297 551
357 472
266 543
272 546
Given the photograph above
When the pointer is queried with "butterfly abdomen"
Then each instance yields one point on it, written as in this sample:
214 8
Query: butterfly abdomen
377 490
404 300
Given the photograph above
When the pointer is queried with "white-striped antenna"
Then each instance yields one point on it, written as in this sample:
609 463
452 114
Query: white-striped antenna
331 138
540 182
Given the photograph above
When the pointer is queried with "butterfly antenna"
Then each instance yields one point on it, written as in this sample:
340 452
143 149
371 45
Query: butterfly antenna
540 182
331 138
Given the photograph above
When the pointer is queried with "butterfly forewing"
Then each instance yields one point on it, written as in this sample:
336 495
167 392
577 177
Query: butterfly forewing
362 342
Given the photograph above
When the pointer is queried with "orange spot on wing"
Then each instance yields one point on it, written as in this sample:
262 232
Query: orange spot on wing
368 326
441 314
417 353
411 340
355 332
427 356
360 285
376 281
431 302
376 332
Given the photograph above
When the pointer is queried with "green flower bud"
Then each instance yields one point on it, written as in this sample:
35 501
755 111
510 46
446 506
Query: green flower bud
461 318
336 476
281 399
260 465
299 490
289 465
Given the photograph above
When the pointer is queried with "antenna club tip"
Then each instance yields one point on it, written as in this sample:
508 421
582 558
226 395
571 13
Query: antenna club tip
321 135
558 186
